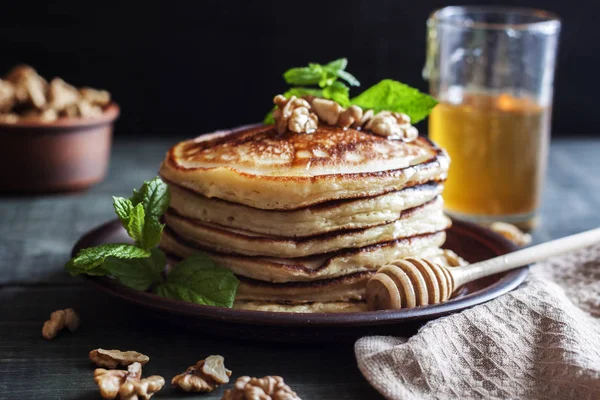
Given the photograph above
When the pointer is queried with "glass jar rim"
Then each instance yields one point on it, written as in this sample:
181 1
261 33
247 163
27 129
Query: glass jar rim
547 22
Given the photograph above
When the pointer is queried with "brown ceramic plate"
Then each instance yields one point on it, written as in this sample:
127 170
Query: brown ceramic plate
470 241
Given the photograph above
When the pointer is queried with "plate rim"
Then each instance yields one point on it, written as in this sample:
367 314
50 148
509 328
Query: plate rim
509 281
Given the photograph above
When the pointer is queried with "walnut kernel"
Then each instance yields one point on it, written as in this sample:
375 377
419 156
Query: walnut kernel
7 96
94 96
61 95
128 385
204 376
327 110
267 388
350 116
393 125
30 88
25 95
294 114
9 118
302 120
59 320
115 358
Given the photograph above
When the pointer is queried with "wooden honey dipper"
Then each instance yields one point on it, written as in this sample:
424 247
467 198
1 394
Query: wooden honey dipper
413 282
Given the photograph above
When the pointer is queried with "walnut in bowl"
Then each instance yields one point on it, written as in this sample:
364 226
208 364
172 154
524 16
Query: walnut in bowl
54 136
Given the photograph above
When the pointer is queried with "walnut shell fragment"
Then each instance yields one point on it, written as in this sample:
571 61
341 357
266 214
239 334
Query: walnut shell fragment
267 388
204 376
128 385
116 358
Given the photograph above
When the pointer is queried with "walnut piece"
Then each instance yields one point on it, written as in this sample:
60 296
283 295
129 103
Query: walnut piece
9 118
7 96
511 233
25 95
61 94
267 388
294 114
393 125
30 88
94 96
327 110
453 259
47 115
303 115
115 358
350 116
59 320
128 385
204 376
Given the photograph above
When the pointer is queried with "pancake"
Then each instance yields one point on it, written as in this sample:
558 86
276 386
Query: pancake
328 307
325 266
344 288
415 221
257 167
308 221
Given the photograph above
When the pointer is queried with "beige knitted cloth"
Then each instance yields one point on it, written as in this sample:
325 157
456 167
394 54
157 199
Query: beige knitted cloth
541 341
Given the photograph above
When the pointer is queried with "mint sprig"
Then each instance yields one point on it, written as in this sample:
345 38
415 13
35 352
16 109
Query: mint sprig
140 266
332 81
140 214
321 75
329 79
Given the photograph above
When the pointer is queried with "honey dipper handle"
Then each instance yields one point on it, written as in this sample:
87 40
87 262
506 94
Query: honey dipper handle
522 257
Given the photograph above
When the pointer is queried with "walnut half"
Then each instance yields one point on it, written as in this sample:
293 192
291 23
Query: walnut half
204 377
59 320
115 358
392 125
128 385
267 388
294 114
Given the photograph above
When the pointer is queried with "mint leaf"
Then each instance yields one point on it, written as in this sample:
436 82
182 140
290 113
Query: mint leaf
141 213
337 68
395 96
152 233
88 259
154 195
269 119
310 75
198 280
123 209
137 195
138 274
338 92
135 226
337 65
348 77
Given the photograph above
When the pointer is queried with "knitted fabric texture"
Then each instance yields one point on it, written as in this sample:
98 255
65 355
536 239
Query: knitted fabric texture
540 341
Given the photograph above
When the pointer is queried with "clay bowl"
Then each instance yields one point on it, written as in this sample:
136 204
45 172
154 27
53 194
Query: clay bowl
65 155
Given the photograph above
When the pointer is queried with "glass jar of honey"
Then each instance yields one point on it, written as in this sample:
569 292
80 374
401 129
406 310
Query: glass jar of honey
492 70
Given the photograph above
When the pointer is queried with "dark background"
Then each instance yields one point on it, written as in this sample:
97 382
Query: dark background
191 67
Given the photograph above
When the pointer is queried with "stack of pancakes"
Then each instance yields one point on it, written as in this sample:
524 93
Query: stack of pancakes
304 220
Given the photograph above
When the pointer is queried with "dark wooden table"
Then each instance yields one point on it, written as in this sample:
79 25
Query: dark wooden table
37 234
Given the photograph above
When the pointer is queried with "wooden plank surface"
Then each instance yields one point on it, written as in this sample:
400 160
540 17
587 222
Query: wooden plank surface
38 233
